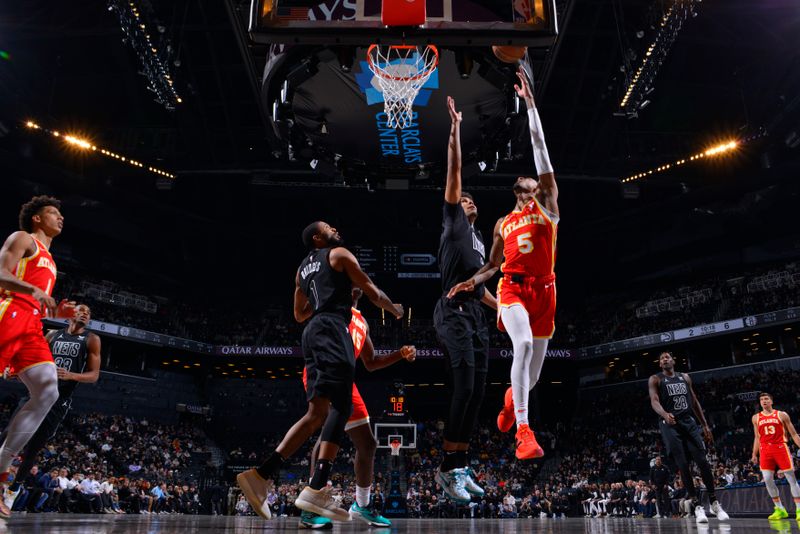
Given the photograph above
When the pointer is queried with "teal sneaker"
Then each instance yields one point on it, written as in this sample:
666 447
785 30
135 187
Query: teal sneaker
470 485
370 517
314 521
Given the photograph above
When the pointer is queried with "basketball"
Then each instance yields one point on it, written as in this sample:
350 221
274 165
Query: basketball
509 54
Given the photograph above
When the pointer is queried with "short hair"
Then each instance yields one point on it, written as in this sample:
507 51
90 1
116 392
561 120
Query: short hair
33 207
464 194
308 234
765 394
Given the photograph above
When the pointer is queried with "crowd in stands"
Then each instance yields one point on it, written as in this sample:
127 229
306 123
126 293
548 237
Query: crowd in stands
619 316
114 464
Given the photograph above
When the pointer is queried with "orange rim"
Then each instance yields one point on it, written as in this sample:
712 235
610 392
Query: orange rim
421 75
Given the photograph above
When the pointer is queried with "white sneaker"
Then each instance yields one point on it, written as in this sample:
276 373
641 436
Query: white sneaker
700 514
716 509
321 502
10 496
656 516
542 515
255 490
453 483
470 485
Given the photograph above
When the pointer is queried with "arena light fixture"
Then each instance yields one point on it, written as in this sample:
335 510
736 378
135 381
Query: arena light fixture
640 81
84 144
156 54
717 150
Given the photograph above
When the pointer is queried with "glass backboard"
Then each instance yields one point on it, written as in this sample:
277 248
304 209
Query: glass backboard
449 23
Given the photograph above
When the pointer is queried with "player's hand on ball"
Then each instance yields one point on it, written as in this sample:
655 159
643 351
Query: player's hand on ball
524 89
398 311
469 285
455 116
409 352
670 419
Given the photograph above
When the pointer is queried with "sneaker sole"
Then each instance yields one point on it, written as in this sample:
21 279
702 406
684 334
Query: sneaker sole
309 506
251 497
311 526
538 453
443 485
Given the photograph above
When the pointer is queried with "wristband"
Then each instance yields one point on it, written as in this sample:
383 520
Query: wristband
540 156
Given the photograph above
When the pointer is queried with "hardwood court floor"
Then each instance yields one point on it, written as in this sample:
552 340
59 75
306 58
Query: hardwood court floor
135 524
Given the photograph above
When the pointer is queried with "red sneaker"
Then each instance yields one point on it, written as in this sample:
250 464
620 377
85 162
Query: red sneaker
527 447
506 418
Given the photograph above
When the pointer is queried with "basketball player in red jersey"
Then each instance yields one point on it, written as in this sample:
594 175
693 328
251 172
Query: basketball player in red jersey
358 427
526 294
770 427
27 277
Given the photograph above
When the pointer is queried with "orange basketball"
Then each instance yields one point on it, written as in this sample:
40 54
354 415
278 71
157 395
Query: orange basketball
509 54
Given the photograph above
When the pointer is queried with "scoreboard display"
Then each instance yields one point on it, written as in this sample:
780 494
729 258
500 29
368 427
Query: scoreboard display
397 406
397 261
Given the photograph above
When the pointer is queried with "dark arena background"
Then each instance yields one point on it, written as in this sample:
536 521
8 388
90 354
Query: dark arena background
190 142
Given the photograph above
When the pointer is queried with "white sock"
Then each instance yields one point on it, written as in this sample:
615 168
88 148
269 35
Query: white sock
517 324
42 384
362 496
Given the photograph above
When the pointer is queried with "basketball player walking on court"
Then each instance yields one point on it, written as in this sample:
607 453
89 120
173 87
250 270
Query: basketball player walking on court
27 277
77 357
770 427
322 292
358 428
672 397
461 325
526 294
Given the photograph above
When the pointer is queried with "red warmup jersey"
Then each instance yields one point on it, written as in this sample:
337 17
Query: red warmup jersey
38 270
770 429
358 330
529 241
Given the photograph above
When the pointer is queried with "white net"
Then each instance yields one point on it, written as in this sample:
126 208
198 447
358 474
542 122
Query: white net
395 445
401 71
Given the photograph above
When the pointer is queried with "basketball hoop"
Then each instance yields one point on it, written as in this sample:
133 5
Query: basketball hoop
395 445
401 71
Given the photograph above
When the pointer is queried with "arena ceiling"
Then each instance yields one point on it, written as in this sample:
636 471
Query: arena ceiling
733 71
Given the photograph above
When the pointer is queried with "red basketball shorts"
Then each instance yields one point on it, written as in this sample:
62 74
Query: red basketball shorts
775 457
536 295
22 342
360 415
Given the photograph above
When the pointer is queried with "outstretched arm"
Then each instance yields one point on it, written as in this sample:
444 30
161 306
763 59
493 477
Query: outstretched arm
452 189
343 260
548 190
488 270
373 362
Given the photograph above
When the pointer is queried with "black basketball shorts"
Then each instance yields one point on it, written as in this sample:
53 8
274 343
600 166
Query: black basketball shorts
463 332
329 357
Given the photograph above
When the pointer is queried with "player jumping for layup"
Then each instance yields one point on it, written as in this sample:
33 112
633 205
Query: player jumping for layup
461 325
770 427
322 291
526 294
673 399
27 277
357 427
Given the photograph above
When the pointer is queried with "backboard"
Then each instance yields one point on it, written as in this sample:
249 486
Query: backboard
449 23
405 433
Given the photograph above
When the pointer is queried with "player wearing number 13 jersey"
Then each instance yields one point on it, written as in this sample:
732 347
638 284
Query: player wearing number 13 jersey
771 428
526 293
